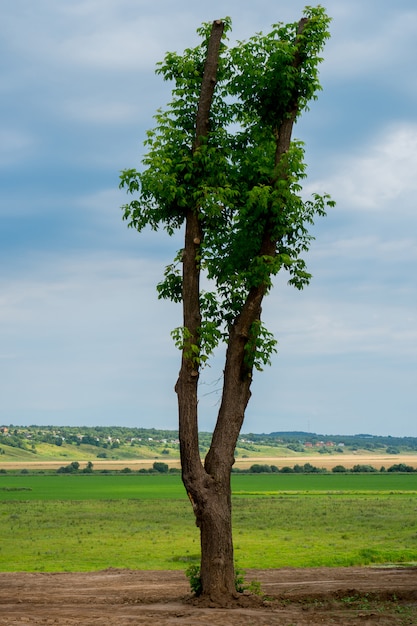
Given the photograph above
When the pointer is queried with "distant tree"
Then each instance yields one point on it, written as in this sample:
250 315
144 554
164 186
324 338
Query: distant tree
393 450
401 467
363 468
339 469
69 469
88 469
222 165
160 467
260 469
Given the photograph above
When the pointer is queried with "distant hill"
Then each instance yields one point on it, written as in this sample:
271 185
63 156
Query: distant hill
30 443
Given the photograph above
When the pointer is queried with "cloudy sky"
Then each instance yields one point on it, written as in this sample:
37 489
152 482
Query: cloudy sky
83 338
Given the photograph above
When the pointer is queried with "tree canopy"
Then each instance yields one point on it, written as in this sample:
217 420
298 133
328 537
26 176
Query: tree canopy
234 177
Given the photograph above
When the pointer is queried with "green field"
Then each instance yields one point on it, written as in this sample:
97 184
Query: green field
163 486
90 522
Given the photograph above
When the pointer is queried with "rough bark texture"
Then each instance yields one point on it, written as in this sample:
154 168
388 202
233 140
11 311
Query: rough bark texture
208 485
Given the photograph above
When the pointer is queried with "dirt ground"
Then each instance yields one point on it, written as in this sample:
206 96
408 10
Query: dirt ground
366 596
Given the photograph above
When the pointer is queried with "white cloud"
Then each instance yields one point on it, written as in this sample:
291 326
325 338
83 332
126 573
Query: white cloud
380 177
369 41
345 312
369 247
106 36
82 332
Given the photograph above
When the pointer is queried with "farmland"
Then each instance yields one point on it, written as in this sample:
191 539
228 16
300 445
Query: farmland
92 522
50 447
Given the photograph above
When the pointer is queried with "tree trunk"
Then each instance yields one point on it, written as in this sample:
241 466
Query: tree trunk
217 562
208 486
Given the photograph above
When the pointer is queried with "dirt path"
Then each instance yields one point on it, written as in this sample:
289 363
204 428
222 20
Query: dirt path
363 596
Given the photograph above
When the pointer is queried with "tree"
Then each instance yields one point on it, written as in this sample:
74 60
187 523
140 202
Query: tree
160 467
221 165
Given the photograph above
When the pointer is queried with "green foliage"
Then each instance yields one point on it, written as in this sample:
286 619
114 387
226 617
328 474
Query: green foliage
401 467
339 469
162 468
69 469
194 576
363 468
232 178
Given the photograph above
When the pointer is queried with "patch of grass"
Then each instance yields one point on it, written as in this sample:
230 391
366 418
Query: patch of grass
96 534
148 533
93 486
92 521
134 485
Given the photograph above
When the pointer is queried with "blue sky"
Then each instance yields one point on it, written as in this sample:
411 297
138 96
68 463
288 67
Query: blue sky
83 338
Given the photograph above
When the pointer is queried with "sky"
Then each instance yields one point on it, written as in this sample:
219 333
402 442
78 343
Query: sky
84 339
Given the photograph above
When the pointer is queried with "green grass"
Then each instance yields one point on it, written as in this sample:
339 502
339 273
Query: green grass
90 487
274 484
92 522
97 486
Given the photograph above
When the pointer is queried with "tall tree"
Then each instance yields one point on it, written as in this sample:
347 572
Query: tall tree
221 165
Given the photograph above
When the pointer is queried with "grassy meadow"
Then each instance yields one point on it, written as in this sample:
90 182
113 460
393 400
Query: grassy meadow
93 521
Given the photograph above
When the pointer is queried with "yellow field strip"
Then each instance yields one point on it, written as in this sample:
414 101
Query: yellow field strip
322 461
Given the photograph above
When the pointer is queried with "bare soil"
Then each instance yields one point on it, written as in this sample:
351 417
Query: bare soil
366 596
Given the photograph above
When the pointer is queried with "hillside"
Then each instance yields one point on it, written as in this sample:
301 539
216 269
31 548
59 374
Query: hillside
51 443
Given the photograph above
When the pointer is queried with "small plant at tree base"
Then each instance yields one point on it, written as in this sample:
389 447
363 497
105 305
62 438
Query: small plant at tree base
193 574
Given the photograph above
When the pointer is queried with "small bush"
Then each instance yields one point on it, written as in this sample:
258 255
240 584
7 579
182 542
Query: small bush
260 469
339 469
400 467
193 574
363 468
162 468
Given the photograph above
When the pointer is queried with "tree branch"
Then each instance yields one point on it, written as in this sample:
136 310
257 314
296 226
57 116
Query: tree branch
238 373
186 386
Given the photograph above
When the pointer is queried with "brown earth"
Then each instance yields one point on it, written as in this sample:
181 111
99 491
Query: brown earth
366 596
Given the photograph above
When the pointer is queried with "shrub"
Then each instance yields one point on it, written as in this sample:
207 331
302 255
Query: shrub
392 450
193 574
339 469
260 469
69 469
363 468
400 467
160 467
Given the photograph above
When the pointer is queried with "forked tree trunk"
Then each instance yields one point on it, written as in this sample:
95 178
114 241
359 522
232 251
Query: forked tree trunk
208 486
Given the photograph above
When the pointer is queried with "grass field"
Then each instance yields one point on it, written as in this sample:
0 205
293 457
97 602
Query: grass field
92 522
169 486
